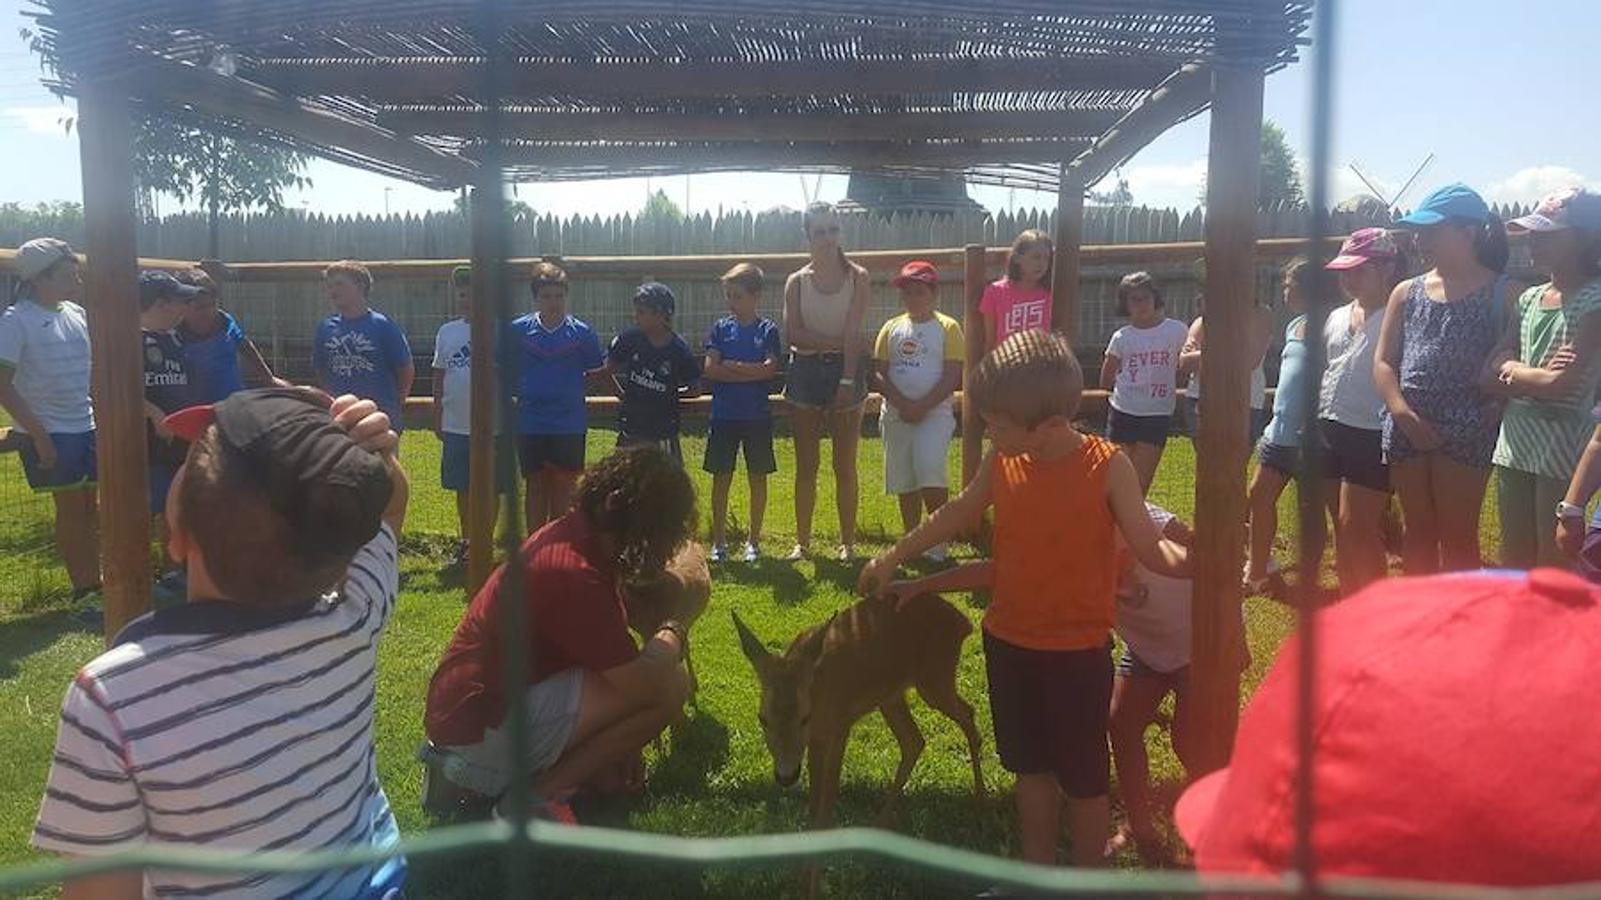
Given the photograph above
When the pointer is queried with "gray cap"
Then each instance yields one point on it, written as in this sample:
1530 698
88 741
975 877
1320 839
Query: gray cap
39 254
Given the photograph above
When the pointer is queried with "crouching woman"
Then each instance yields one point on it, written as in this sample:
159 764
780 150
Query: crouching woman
594 699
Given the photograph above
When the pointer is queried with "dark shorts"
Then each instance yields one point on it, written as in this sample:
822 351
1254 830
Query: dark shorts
1050 710
669 445
562 452
725 438
455 465
812 380
1355 455
1191 411
1123 428
1589 562
75 466
161 476
1284 460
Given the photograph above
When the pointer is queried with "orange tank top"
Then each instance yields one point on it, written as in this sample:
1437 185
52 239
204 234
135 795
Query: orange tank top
1055 555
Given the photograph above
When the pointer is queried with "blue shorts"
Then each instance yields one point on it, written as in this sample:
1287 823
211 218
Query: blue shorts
1589 562
1284 460
812 380
561 452
75 468
1123 428
455 465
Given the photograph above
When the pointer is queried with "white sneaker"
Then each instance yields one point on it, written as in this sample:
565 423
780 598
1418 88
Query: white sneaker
937 553
799 553
752 552
720 553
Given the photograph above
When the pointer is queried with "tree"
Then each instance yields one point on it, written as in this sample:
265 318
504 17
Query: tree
1279 178
1280 181
1117 196
515 209
660 207
221 173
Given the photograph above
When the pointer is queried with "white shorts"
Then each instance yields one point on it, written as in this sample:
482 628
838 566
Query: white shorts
915 454
551 708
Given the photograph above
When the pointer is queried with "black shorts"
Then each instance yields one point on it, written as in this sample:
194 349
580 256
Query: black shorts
668 444
725 438
1050 710
1284 460
1122 428
1355 455
562 452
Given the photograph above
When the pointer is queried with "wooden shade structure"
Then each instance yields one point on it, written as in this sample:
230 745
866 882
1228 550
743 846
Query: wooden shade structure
1049 94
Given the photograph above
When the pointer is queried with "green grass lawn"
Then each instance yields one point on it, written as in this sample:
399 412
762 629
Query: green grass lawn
714 778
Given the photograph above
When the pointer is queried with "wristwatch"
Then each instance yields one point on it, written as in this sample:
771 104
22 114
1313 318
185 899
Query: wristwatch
680 632
1566 510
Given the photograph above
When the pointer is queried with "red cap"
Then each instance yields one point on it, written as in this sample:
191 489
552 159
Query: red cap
1456 739
917 270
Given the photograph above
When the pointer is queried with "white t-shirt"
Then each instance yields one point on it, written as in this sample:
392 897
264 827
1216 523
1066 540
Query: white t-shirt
1153 611
917 353
1149 367
49 351
216 724
1348 394
453 358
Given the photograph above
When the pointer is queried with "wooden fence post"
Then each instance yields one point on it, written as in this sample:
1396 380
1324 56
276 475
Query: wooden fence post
1065 263
483 483
1223 444
104 139
973 279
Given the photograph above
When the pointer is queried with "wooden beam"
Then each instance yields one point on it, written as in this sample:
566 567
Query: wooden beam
1066 263
608 126
881 264
974 276
105 142
403 79
343 138
1223 444
483 488
1183 94
754 155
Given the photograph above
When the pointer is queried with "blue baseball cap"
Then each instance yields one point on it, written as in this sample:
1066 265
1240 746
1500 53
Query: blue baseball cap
656 296
157 286
1454 201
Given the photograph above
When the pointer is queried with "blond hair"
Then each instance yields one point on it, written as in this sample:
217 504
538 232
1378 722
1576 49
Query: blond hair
748 277
1030 377
352 270
548 273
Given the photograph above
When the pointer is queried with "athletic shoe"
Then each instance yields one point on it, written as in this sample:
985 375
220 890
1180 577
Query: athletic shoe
458 557
937 553
720 553
800 552
752 552
847 552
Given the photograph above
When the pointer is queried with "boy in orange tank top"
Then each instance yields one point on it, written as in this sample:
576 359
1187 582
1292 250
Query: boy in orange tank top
1059 497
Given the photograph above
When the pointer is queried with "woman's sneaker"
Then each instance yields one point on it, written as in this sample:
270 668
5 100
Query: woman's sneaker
752 552
719 553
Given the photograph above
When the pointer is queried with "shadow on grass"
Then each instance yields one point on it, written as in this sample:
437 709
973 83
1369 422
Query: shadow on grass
788 584
24 636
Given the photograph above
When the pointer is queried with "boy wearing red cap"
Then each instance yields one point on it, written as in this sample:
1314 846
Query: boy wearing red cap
917 366
1060 497
244 718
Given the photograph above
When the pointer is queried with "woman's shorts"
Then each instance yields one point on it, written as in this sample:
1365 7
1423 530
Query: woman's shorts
1122 428
812 380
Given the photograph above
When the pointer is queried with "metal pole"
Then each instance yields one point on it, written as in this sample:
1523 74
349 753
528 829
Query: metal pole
1310 485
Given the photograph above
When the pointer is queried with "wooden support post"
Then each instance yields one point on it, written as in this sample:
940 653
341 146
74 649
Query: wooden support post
974 277
104 141
1065 265
483 487
1222 448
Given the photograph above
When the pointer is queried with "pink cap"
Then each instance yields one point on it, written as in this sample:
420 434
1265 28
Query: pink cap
1363 245
1453 739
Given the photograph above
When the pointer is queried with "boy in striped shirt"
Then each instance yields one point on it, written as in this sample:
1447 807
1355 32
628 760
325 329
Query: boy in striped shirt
243 719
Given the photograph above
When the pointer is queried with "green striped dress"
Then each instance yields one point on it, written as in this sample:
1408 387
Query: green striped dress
1546 437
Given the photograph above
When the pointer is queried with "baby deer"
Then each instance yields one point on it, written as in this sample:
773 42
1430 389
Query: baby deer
861 659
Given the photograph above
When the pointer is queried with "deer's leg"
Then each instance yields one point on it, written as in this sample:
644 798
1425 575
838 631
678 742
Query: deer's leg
898 716
825 756
940 693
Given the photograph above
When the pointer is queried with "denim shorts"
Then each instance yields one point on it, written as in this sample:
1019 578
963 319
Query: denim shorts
1125 428
812 380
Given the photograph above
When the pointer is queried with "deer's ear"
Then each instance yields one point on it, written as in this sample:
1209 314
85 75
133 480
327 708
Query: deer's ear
755 650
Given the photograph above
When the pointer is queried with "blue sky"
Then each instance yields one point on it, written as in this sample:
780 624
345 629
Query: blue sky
1499 92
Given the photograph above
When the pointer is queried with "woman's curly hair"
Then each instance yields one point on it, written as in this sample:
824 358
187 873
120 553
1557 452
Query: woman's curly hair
643 498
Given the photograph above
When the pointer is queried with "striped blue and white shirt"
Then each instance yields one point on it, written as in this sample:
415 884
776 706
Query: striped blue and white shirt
233 727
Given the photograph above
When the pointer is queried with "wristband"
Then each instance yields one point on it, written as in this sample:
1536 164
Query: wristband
1566 510
847 382
680 632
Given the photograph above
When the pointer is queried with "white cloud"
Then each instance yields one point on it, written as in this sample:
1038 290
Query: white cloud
1530 184
46 120
1163 184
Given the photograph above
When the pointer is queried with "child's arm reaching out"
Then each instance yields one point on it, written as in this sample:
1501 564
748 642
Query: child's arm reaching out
969 576
1127 502
949 522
